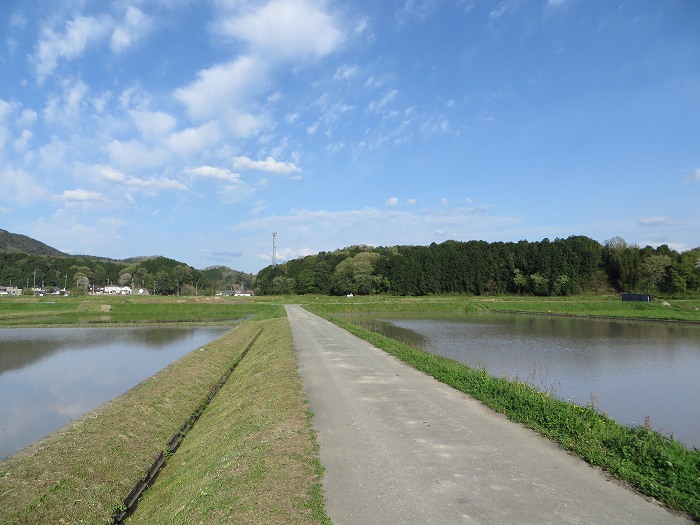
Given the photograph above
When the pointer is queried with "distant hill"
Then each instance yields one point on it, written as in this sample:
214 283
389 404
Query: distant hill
222 277
17 243
226 278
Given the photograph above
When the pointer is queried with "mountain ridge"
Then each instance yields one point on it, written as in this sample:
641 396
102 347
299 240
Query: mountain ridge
18 243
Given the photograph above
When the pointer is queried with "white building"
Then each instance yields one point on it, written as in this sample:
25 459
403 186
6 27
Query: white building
10 290
117 290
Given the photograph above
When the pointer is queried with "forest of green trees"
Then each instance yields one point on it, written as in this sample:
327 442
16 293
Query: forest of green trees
158 275
543 268
561 267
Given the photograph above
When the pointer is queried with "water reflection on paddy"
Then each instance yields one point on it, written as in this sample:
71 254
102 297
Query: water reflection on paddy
628 369
51 376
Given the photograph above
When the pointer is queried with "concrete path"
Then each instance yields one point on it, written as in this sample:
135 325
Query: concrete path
401 448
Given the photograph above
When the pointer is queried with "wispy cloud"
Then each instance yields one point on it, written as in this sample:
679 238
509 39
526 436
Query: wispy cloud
80 195
384 101
652 221
69 43
135 26
214 173
346 72
268 165
109 174
319 230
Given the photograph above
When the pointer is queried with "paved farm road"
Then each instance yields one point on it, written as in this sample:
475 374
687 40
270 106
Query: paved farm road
401 448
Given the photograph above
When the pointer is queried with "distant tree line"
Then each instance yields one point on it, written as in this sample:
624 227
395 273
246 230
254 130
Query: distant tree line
543 268
226 278
158 275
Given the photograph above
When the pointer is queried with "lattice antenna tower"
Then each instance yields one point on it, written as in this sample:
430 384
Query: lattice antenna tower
274 248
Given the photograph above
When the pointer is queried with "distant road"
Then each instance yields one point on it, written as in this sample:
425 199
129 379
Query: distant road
402 448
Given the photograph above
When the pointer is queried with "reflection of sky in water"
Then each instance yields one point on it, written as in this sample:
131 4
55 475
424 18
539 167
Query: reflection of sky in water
49 377
629 369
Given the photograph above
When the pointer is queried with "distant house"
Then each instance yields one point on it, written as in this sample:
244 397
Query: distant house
10 290
638 297
117 290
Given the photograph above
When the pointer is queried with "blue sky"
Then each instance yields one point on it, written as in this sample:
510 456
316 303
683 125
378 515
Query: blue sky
194 129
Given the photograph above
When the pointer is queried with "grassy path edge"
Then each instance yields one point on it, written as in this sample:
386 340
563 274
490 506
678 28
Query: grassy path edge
654 465
252 458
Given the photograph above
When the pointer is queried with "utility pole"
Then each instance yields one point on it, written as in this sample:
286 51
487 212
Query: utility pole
274 248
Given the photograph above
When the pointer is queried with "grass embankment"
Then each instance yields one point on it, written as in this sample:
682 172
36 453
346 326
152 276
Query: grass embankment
612 307
655 465
82 473
250 458
96 310
685 310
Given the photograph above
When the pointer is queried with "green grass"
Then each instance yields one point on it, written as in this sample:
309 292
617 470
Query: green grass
655 465
582 306
252 457
680 310
62 311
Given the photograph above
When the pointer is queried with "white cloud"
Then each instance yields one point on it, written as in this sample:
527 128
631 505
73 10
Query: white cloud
109 174
194 140
224 89
411 202
214 173
4 131
22 142
414 9
269 165
653 221
53 154
27 118
152 124
361 26
392 201
695 176
237 192
136 155
163 183
135 26
64 109
78 34
346 72
502 8
80 195
20 187
386 99
286 29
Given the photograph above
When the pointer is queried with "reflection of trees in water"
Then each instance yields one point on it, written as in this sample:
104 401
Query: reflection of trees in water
387 328
22 347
